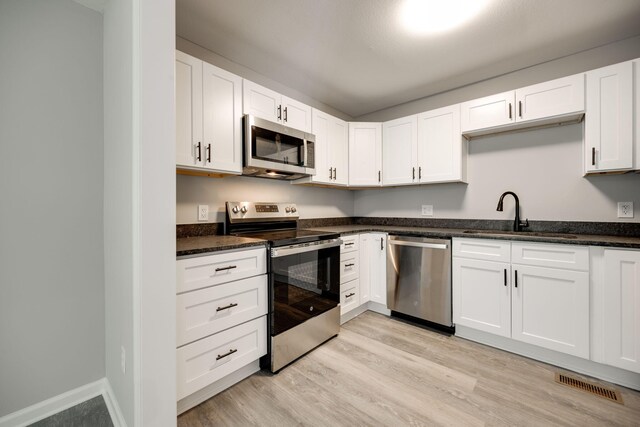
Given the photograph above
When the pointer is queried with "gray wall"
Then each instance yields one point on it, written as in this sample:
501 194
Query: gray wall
312 202
51 178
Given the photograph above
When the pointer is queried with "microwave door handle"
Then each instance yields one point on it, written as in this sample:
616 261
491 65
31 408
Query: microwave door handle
304 152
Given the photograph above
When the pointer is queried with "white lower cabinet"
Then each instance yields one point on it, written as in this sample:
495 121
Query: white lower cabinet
349 273
349 296
221 318
534 301
373 267
482 295
621 309
550 308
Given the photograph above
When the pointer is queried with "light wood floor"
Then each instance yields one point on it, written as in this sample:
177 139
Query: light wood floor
382 371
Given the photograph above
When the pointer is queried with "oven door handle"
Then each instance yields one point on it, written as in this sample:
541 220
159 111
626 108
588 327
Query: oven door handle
299 249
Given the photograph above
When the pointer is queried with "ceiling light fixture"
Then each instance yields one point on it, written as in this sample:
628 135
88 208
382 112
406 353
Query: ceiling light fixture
437 16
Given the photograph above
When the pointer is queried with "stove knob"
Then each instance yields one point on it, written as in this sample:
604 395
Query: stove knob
293 209
243 210
235 209
287 209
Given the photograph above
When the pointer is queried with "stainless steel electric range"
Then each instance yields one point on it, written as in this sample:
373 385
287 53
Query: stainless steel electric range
304 278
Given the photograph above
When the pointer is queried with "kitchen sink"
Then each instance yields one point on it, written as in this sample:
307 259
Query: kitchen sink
522 233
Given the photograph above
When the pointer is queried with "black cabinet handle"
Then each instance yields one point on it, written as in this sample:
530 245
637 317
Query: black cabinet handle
520 108
349 244
414 173
279 112
335 173
227 307
509 110
209 153
348 265
420 172
199 151
593 156
516 278
285 114
379 176
381 243
349 295
226 268
505 277
229 353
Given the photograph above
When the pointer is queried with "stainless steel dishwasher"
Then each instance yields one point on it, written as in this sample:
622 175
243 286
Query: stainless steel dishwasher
419 278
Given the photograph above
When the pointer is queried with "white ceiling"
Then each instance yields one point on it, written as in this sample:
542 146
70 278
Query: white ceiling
355 56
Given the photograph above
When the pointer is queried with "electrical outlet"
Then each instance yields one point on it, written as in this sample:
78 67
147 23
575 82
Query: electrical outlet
427 210
123 360
625 209
203 212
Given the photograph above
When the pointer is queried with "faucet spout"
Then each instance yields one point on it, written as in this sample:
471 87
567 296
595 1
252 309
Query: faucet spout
517 224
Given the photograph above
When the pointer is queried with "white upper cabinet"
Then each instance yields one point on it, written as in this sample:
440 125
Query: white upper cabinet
331 150
365 154
442 151
555 101
609 127
270 105
400 151
188 110
208 113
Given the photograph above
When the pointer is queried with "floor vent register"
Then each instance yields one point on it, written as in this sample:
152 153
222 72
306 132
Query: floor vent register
604 392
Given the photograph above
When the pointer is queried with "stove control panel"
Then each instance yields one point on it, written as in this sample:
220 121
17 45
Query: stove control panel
260 211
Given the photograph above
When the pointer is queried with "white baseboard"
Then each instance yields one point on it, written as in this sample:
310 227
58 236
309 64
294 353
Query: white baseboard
212 389
566 361
44 409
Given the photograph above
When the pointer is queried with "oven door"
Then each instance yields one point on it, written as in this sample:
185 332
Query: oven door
305 282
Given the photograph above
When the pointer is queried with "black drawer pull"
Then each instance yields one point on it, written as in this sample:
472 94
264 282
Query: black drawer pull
349 295
227 307
593 156
349 265
349 243
229 353
505 277
231 267
516 277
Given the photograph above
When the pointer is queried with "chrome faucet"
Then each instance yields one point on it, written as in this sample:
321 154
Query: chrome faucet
517 224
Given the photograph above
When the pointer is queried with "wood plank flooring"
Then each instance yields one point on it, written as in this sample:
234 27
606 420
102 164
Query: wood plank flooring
384 372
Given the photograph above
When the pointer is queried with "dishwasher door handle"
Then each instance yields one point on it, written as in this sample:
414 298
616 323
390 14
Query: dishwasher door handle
418 244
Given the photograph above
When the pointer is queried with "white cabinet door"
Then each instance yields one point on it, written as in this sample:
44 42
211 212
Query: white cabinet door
365 268
222 110
339 150
349 296
321 128
378 268
482 295
622 309
261 102
399 151
296 114
608 136
553 98
365 154
441 149
550 308
488 112
188 110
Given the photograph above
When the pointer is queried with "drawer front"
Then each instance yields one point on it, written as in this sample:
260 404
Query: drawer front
486 249
208 311
550 255
349 296
349 267
210 359
201 272
350 243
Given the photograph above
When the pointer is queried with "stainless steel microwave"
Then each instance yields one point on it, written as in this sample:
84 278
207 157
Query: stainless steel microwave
272 150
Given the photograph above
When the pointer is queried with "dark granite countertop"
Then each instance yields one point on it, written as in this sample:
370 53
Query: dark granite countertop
542 237
203 244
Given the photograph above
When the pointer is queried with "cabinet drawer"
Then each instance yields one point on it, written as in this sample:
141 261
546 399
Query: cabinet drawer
349 243
349 267
210 359
486 249
550 255
210 310
201 272
349 296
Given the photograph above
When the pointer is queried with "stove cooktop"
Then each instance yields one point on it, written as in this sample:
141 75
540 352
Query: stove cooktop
290 237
